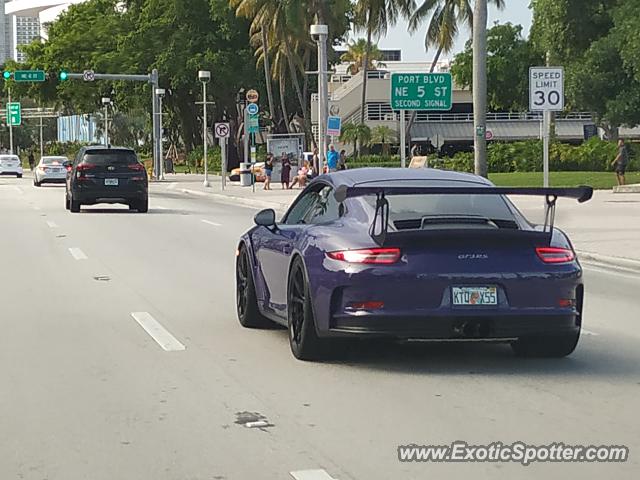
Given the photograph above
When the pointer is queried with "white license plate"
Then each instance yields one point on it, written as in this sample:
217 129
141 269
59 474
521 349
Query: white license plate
475 295
111 182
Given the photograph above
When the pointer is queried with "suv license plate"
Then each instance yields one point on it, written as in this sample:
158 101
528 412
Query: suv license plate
111 182
474 296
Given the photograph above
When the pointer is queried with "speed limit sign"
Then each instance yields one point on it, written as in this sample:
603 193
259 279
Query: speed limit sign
546 89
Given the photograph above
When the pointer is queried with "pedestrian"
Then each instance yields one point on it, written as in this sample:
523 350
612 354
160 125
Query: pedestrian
301 177
286 171
315 159
332 158
621 161
342 162
32 161
268 171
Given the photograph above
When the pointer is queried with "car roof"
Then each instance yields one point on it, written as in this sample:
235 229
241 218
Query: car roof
358 176
104 147
10 155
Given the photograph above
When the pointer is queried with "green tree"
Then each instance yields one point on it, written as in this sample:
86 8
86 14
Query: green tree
383 135
509 59
355 56
358 134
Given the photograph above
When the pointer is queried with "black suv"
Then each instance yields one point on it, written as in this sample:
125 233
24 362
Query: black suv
102 174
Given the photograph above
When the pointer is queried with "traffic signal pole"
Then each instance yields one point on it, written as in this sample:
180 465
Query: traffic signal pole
153 80
10 122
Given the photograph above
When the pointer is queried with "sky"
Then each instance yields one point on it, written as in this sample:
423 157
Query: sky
412 46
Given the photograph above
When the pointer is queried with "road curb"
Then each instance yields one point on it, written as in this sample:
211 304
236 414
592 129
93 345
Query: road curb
234 200
618 263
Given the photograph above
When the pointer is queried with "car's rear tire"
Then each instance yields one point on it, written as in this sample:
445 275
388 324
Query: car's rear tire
74 205
67 203
18 175
246 301
36 183
143 205
303 338
550 346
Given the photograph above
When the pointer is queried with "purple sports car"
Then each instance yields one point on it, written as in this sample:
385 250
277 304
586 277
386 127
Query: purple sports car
412 254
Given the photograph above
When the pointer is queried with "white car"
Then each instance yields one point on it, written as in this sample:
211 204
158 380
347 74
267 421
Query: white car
51 170
10 165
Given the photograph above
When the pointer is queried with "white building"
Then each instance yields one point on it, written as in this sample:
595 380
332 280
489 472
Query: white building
22 21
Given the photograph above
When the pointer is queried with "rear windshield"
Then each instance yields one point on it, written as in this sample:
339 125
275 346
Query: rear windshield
9 158
410 207
121 157
53 160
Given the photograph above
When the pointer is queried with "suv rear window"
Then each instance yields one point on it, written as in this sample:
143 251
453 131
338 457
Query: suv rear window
114 157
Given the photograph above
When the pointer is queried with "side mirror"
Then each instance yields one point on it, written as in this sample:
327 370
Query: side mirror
265 218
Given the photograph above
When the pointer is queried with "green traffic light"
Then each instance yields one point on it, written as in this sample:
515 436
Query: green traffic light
64 75
6 75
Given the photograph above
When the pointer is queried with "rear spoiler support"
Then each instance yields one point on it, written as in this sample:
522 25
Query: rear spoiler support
380 225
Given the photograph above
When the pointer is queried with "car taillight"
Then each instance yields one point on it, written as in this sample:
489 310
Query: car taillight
83 167
555 254
376 256
136 167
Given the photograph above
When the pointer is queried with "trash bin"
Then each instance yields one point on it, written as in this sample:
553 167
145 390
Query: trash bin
245 174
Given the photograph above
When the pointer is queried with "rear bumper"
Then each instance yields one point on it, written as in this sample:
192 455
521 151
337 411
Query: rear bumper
93 195
451 327
11 171
43 178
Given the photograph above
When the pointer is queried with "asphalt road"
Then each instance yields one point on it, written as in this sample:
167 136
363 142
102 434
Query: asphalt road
88 393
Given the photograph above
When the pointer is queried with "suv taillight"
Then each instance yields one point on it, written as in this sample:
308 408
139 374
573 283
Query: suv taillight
555 254
136 167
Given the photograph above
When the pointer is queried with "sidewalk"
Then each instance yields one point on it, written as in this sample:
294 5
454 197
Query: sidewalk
605 230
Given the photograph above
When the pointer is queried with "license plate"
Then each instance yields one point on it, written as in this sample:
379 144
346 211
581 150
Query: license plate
474 295
112 182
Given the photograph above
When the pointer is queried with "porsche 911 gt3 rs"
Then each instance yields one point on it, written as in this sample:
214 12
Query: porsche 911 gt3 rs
412 254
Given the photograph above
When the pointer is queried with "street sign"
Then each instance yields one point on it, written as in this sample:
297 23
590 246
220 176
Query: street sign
253 96
253 109
29 76
88 76
546 89
481 131
421 91
590 130
254 124
334 126
488 135
14 114
222 130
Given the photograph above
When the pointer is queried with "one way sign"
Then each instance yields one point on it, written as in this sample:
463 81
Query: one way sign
222 130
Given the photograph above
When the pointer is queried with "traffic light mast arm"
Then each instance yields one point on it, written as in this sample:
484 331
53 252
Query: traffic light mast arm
109 76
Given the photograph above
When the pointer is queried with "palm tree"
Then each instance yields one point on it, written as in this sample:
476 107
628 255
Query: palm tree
357 133
383 135
356 50
375 17
444 20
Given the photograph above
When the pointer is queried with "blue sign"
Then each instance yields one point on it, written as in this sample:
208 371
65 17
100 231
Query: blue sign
334 126
253 109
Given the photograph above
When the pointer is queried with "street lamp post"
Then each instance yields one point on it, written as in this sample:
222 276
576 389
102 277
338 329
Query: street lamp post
320 33
106 101
160 92
205 76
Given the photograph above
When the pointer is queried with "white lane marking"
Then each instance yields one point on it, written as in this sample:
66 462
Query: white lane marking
52 224
589 332
212 223
311 475
18 189
162 337
36 208
77 253
161 208
171 186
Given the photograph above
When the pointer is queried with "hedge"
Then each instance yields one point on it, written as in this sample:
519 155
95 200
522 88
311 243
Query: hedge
594 155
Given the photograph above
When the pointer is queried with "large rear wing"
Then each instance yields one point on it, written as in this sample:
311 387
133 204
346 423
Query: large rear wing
380 225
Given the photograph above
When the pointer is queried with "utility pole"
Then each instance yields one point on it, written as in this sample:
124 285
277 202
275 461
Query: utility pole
320 33
160 92
41 141
106 101
480 86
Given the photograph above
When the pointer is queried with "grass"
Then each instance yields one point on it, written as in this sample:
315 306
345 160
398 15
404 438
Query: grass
597 180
